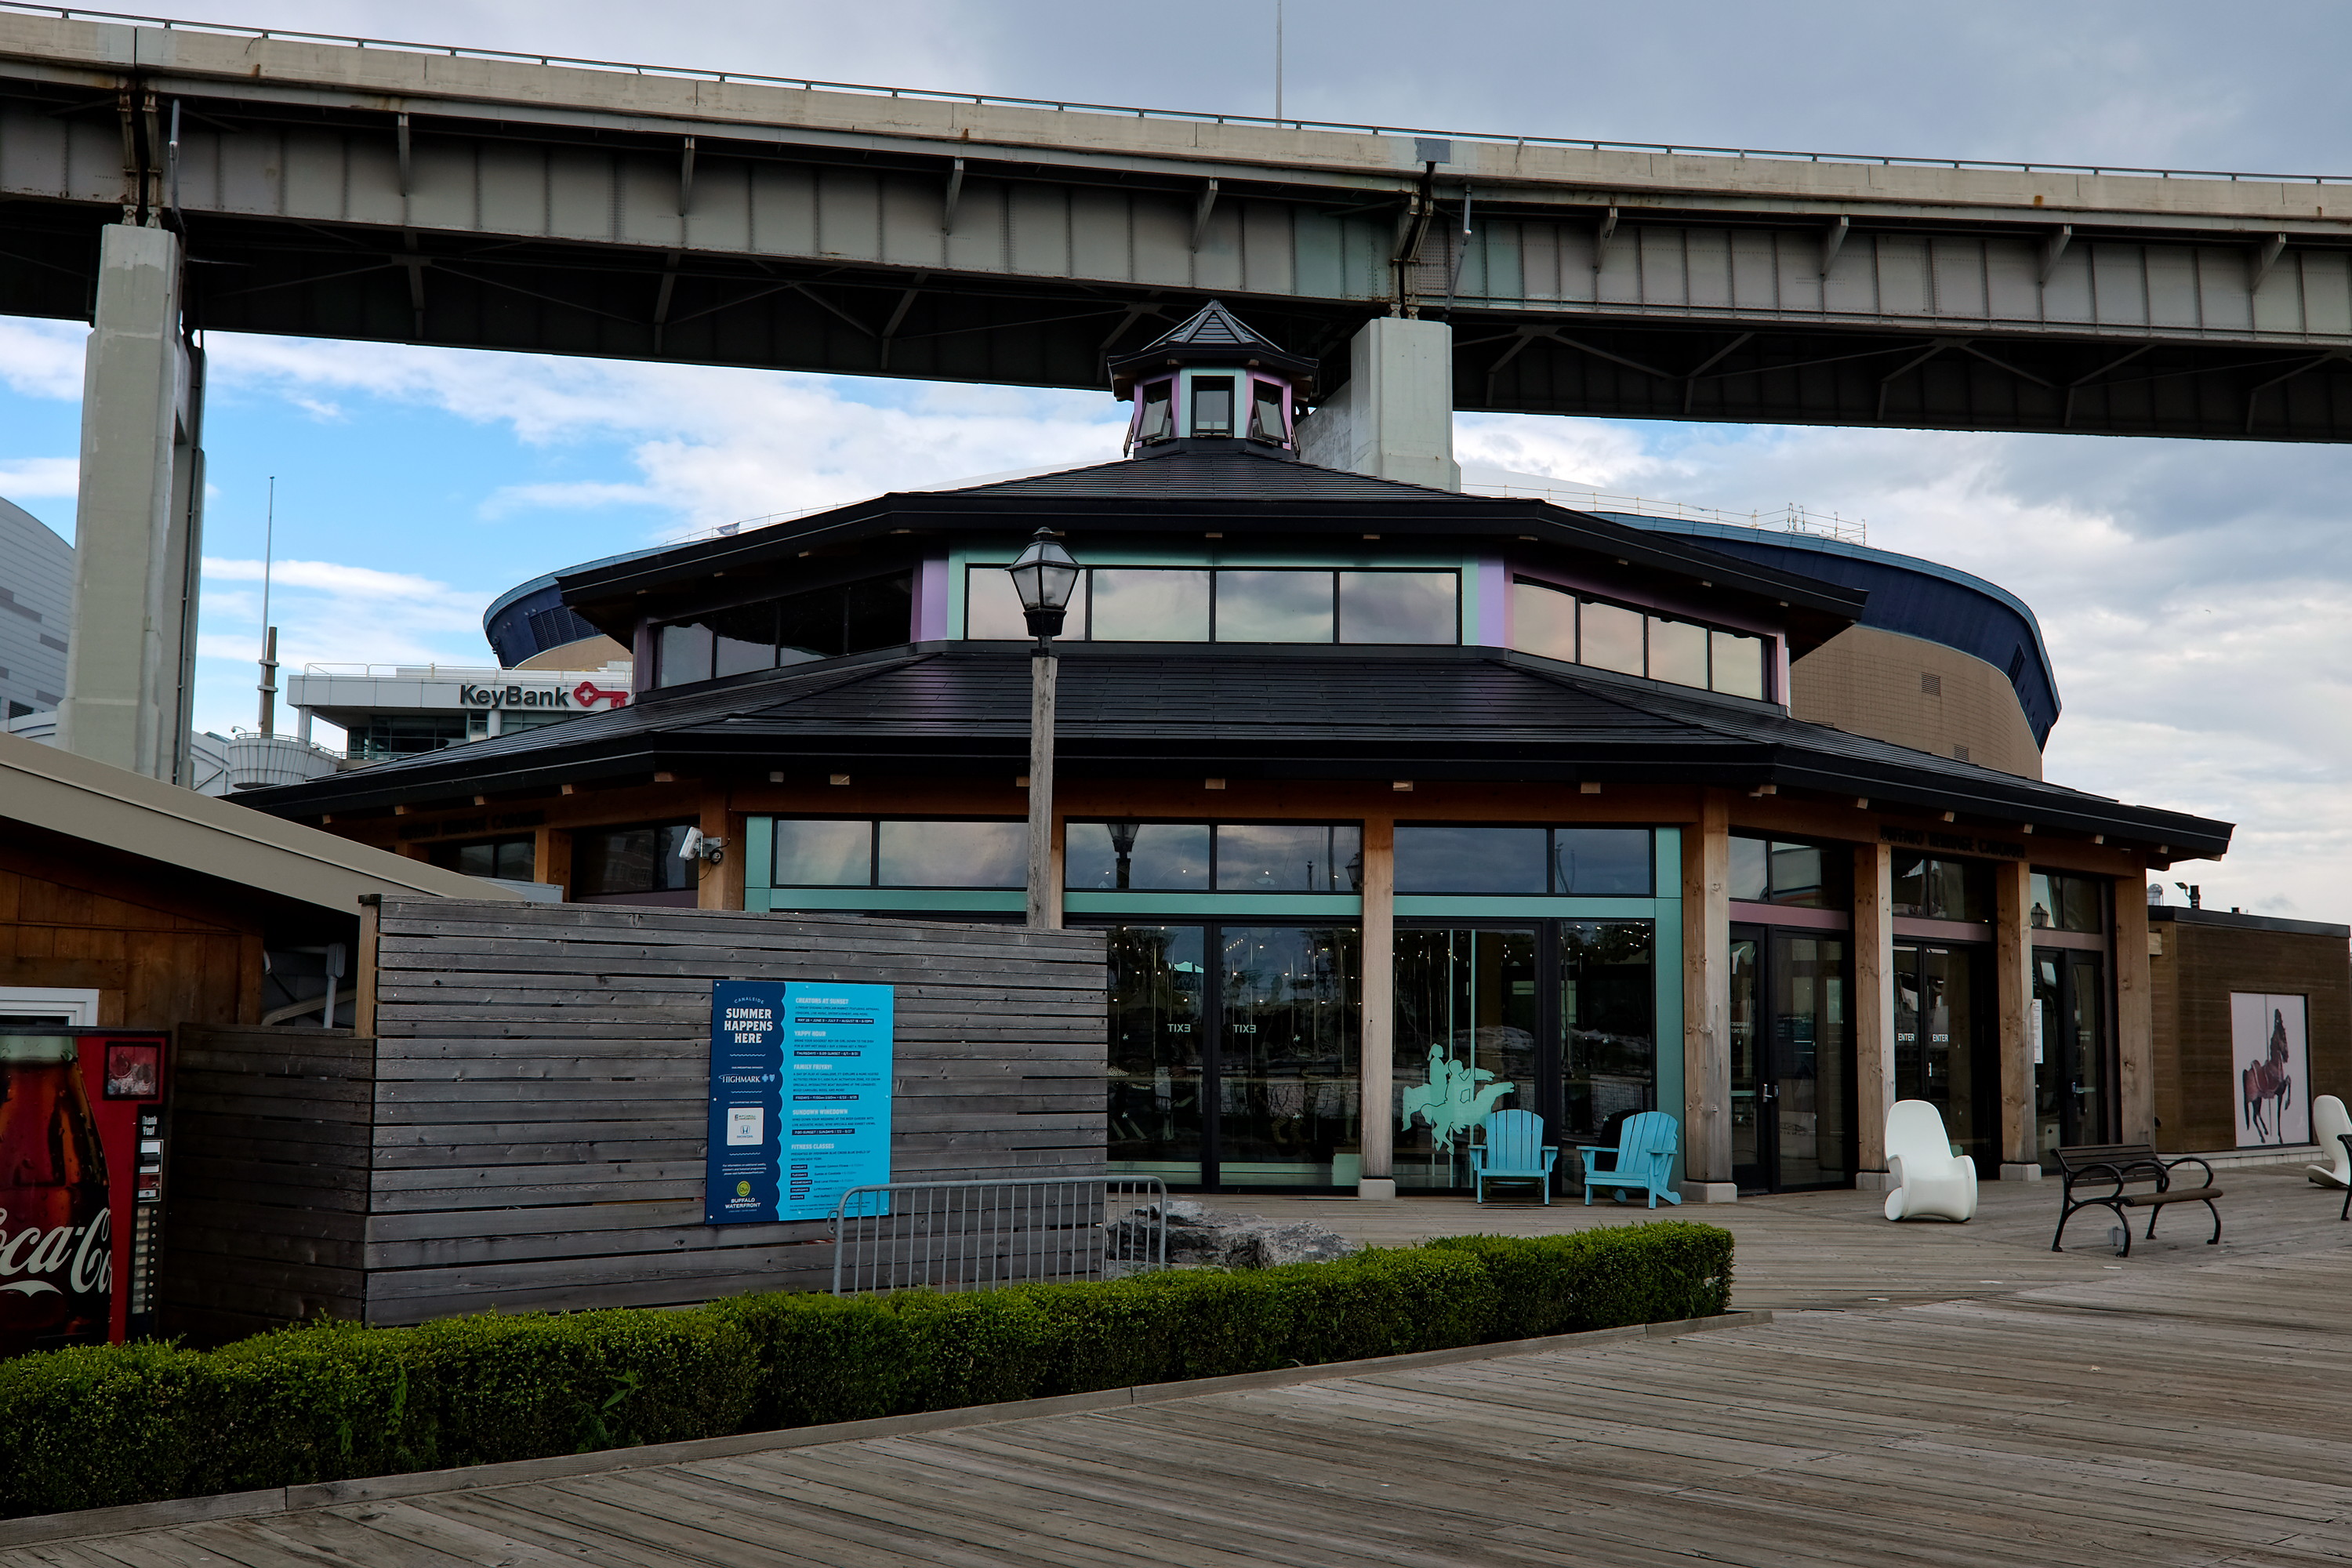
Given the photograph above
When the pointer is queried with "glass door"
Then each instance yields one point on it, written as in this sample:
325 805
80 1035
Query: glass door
1792 1061
1467 1044
1751 1129
1159 1033
2070 1049
1945 1044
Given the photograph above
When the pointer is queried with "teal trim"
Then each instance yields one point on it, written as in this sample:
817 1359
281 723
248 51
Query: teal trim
1487 905
945 900
1218 906
1669 938
759 853
1667 844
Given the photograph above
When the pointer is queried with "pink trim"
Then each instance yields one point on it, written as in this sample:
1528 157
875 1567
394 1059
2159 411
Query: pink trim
931 601
1916 929
1494 603
1784 915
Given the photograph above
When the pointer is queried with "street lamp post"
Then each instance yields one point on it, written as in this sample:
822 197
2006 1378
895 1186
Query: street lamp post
1043 575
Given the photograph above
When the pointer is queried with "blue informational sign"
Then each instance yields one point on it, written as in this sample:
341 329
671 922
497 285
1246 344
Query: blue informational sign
799 1098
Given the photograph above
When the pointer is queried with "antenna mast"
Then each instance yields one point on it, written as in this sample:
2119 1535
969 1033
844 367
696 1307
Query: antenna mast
268 632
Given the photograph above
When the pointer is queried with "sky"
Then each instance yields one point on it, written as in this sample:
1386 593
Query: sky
2189 592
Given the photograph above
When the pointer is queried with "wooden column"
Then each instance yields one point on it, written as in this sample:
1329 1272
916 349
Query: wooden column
2013 958
551 857
1707 1003
1874 1010
363 966
2134 1016
1378 1032
720 887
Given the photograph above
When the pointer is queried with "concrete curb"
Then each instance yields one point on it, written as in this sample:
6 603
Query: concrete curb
40 1529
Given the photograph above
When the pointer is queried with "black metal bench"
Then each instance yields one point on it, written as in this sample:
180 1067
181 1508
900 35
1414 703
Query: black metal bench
2117 1167
2346 1139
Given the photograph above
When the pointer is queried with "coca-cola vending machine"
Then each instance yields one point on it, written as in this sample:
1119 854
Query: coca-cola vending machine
81 1184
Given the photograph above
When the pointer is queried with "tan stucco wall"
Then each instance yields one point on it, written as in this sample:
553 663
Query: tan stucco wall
588 653
1866 681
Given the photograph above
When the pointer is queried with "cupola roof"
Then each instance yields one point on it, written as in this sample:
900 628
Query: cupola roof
1212 335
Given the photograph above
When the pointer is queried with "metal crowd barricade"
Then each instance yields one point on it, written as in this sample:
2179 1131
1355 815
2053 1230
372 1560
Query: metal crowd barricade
980 1235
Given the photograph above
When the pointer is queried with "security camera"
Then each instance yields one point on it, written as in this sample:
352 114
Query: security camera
702 846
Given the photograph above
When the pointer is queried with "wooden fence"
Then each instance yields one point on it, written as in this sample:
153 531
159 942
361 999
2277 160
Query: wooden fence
526 1127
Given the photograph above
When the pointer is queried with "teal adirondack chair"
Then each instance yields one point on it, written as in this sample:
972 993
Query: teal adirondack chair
1644 1159
1512 1150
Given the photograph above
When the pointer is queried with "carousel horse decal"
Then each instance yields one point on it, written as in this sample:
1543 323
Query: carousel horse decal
2268 1080
1456 1098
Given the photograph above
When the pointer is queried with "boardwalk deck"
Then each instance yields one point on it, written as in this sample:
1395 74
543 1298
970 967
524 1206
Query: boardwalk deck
2014 1407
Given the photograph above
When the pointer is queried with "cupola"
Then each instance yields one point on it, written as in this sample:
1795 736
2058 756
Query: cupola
1212 379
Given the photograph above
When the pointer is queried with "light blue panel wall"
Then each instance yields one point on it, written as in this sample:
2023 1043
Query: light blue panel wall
1669 843
758 854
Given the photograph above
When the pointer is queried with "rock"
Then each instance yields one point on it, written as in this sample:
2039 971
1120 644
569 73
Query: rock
1200 1236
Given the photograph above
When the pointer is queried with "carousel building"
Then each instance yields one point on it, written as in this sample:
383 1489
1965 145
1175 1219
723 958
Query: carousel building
1398 804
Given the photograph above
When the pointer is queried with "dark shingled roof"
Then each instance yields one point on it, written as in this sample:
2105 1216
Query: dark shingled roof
1137 711
1213 334
1214 469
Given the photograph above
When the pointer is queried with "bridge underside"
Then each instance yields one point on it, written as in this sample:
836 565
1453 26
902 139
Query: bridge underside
258 275
644 219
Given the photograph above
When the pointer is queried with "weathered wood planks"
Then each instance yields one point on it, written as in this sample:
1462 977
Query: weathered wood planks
527 1127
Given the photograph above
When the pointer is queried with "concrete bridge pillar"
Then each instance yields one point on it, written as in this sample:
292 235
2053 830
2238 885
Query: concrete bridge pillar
139 518
1394 419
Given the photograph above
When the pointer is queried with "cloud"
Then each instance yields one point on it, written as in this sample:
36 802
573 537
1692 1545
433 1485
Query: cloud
328 576
41 477
508 499
41 359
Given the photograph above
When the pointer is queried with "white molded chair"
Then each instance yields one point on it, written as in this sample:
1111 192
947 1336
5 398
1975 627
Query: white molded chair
2329 1122
1930 1181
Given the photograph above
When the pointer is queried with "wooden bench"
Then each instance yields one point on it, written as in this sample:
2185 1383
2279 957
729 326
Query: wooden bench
2117 1167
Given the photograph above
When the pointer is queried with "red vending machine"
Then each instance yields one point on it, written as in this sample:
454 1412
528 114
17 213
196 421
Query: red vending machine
81 1184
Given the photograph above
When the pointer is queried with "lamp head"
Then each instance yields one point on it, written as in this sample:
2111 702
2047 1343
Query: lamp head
1043 576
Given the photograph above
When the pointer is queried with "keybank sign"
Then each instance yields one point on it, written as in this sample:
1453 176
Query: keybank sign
587 694
472 696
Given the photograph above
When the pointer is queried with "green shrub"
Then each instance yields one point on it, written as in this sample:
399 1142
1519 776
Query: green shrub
106 1425
822 1358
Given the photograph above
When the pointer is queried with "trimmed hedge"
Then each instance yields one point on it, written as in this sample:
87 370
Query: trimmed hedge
99 1425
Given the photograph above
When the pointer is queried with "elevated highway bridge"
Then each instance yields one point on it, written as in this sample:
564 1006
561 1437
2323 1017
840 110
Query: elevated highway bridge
402 193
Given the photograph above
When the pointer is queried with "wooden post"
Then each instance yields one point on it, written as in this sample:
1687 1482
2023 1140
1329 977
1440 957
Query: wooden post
1706 1004
1874 1010
1377 1038
1042 913
2134 1015
363 967
720 887
551 857
2013 957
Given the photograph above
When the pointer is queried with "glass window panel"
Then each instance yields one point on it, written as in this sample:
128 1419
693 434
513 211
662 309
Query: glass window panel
1159 856
1609 637
1602 862
630 860
1213 406
823 854
880 613
2078 900
1751 871
1158 421
1396 607
1469 860
1607 999
683 653
1290 1007
1739 664
1149 604
1543 620
991 610
954 855
2042 903
1288 858
809 626
513 859
1797 875
1265 412
1934 890
1273 606
1157 978
743 639
1677 652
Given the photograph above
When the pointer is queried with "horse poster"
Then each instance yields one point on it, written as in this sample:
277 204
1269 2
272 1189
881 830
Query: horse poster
2268 1045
